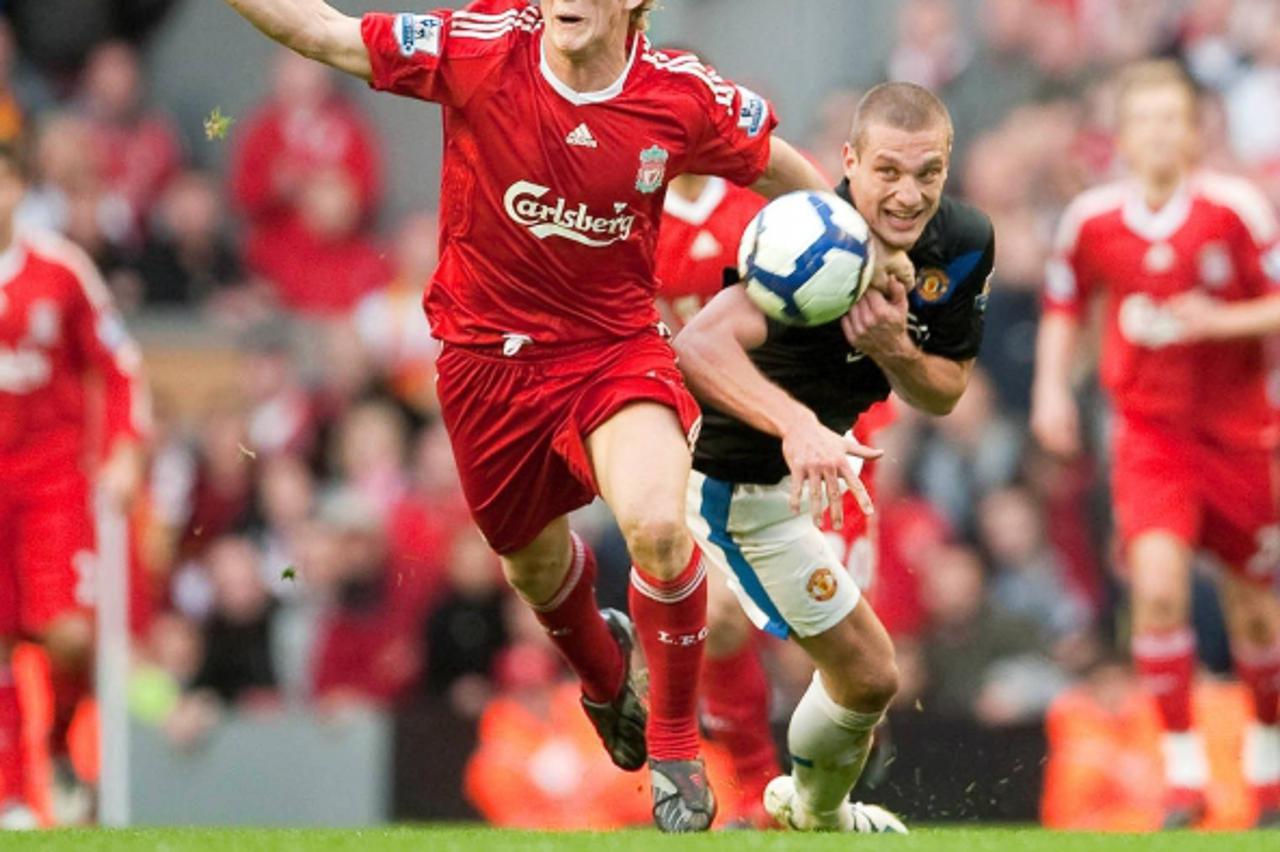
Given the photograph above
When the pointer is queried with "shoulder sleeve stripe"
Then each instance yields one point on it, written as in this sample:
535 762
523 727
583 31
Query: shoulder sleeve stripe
691 65
1089 205
476 26
123 352
1242 198
487 35
478 21
72 258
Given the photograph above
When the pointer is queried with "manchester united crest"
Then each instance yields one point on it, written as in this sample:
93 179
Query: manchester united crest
934 285
653 169
822 585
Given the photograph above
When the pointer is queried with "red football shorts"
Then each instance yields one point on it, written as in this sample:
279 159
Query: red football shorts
1219 499
46 552
518 424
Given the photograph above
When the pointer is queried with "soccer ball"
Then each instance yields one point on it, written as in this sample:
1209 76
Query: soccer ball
806 258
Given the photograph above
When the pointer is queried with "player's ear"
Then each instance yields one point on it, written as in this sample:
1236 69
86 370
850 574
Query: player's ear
849 156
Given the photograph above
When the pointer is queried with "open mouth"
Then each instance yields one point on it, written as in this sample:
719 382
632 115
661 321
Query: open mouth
569 20
902 220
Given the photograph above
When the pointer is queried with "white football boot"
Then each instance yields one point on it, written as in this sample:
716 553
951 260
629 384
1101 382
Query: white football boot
784 806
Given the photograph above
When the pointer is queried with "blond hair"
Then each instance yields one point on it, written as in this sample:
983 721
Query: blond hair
1154 74
640 15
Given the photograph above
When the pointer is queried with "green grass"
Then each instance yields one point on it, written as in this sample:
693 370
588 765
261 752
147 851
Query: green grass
467 839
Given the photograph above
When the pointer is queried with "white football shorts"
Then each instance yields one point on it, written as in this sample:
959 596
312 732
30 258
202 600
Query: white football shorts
784 570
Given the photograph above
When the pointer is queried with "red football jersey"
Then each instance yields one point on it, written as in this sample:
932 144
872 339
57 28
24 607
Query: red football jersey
57 326
698 240
550 198
1217 234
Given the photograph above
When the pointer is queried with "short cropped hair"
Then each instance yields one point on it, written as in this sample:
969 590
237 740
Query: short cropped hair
1154 74
640 15
903 106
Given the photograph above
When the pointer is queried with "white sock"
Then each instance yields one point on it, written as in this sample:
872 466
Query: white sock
829 745
1262 754
1185 762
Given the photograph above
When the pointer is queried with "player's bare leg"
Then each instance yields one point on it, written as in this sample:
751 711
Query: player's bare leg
831 729
1253 622
641 460
735 697
556 574
14 813
1164 654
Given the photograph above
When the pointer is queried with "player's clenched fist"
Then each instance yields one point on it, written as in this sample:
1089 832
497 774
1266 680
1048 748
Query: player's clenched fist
893 266
877 324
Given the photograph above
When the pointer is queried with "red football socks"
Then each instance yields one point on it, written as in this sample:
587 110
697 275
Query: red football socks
572 620
1260 671
735 704
1166 662
671 619
12 773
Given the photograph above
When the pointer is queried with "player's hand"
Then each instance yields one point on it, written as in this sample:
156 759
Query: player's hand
877 324
818 459
1196 316
1055 421
121 474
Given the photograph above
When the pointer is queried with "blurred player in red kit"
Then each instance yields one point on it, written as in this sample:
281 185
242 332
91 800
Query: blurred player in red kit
703 218
562 128
1188 265
59 337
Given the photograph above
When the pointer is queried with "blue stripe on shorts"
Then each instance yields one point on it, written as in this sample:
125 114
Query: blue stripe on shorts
716 498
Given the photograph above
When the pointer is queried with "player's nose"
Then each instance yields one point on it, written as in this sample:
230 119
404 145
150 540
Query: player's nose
909 194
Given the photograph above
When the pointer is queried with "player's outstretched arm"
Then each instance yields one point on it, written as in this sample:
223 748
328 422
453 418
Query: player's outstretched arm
1203 318
312 28
712 350
1055 418
787 171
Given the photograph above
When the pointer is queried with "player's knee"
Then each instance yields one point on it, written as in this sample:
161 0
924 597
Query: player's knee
867 685
535 576
1256 627
657 542
1160 608
879 684
69 642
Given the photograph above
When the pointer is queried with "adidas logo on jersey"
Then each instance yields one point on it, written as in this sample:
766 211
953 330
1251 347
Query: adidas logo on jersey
581 137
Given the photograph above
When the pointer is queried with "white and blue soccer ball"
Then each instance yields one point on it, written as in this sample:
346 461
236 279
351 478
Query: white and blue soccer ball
806 258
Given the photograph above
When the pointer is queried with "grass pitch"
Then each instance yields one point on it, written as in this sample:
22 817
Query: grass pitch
475 839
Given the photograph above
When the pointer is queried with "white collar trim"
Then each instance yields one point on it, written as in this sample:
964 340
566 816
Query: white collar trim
698 211
583 98
1156 225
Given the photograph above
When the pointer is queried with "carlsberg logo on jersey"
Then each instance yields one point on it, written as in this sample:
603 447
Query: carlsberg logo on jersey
555 218
23 370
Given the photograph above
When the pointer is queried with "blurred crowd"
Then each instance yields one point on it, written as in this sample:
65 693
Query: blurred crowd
304 538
